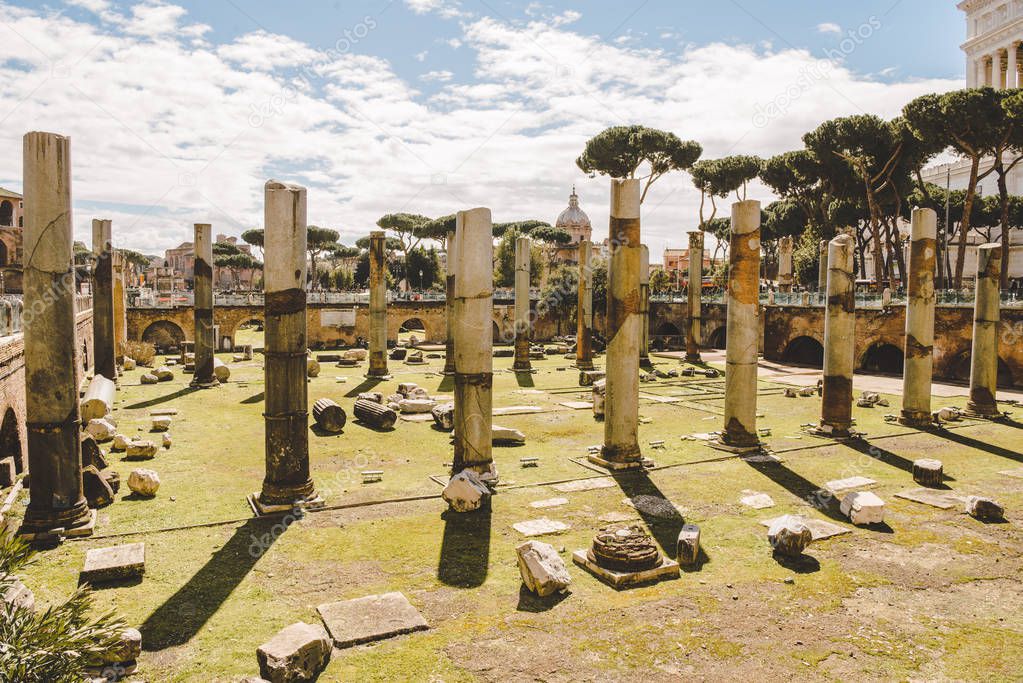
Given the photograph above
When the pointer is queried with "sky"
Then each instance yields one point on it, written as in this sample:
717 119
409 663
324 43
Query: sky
179 111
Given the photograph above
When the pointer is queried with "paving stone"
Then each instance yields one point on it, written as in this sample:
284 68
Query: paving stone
297 653
1015 473
375 617
757 501
516 410
549 503
818 527
847 484
585 485
540 527
577 405
863 508
542 569
116 563
943 500
616 517
506 435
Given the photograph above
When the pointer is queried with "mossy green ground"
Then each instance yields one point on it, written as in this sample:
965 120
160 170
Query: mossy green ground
935 595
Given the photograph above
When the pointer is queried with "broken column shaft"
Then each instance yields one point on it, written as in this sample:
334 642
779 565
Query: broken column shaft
377 305
919 354
694 297
987 313
839 338
203 309
522 264
785 264
51 347
584 312
449 305
644 305
474 297
120 307
103 343
621 412
822 271
286 412
742 333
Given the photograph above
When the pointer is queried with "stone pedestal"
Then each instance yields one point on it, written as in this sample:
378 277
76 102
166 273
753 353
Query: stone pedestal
449 305
287 478
204 377
984 356
51 347
584 312
822 271
377 305
785 264
919 354
839 339
742 332
522 266
694 297
103 345
474 295
621 411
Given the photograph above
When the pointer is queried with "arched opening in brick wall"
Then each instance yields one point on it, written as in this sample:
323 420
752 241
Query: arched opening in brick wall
960 370
250 332
884 358
10 439
164 335
668 336
413 327
718 339
805 351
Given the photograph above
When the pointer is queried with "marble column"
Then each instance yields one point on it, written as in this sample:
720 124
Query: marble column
644 306
978 72
839 338
203 308
997 74
449 304
987 313
52 412
621 413
919 354
104 351
286 410
742 328
822 272
474 361
584 309
694 305
522 264
377 305
120 298
1011 71
785 264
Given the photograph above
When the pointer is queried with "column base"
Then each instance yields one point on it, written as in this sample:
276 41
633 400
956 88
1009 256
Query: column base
644 362
620 457
210 383
916 419
37 527
615 467
261 508
585 365
522 366
383 377
986 411
744 449
486 471
694 358
830 431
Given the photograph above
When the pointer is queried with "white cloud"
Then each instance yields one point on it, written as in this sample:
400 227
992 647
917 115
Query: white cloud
421 56
445 8
437 76
829 27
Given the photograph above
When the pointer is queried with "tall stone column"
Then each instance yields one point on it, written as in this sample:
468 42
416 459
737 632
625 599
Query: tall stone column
997 75
694 305
919 354
377 305
474 357
203 308
1011 71
51 347
743 328
644 306
584 309
785 264
449 304
120 298
987 313
287 478
822 272
621 413
103 344
839 338
522 264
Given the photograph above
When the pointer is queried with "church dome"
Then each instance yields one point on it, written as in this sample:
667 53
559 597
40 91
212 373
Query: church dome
574 218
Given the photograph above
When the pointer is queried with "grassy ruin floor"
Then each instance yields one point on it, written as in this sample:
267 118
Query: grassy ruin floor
935 595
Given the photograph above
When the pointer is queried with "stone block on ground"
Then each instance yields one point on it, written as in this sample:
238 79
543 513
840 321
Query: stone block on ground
166 441
149 378
588 377
542 570
91 453
540 527
129 364
789 536
984 509
506 435
849 483
416 406
688 545
96 489
297 653
405 387
142 449
312 367
18 594
101 429
863 508
127 650
599 394
375 617
144 482
466 492
444 416
398 353
113 478
116 563
120 443
549 503
161 423
928 472
372 396
358 355
164 374
757 501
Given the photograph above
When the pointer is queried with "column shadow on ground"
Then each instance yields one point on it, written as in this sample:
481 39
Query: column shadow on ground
817 496
664 521
525 379
161 399
885 456
366 384
465 548
530 602
991 448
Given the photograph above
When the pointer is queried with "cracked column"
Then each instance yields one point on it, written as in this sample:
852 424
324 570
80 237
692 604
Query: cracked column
584 309
203 308
785 264
287 478
51 347
694 296
743 329
822 272
621 413
522 264
919 354
449 304
474 357
103 343
644 306
984 356
377 305
839 338
120 307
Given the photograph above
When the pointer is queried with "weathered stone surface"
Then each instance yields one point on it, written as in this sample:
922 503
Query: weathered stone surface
466 492
398 353
943 500
149 378
588 377
948 414
161 423
415 406
373 396
928 472
599 394
444 416
585 485
788 535
144 482
120 442
404 388
220 370
375 414
98 492
129 364
101 429
18 594
850 483
863 507
312 367
549 503
372 618
113 478
127 650
542 570
356 355
166 441
99 398
540 527
297 653
91 453
329 415
688 545
757 501
984 509
419 393
141 450
164 374
506 435
791 392
116 563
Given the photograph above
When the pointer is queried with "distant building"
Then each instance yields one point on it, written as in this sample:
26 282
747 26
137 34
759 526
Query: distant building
575 221
176 271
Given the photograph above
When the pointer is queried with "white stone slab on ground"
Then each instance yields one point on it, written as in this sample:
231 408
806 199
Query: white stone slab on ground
848 484
374 617
540 527
615 517
549 503
516 410
943 500
757 501
585 485
116 563
818 527
577 405
1016 473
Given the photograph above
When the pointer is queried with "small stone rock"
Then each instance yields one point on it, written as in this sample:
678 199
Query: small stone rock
928 472
166 442
415 406
599 393
97 491
115 563
112 478
948 415
101 429
506 435
542 570
374 396
144 482
863 507
356 354
161 423
297 653
791 392
128 364
788 535
688 545
126 651
164 374
405 388
149 378
312 367
19 595
444 416
984 509
419 393
120 443
808 391
141 450
466 492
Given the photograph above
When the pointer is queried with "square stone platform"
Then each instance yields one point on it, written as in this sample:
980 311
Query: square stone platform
372 618
668 569
117 563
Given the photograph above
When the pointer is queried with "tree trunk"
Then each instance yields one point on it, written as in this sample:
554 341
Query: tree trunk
964 226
